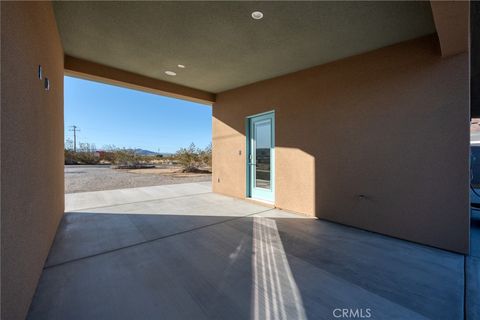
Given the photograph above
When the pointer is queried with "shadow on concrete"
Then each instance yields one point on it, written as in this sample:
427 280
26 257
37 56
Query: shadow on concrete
257 266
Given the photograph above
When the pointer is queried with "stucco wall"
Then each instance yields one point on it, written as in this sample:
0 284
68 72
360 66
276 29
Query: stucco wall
392 124
32 197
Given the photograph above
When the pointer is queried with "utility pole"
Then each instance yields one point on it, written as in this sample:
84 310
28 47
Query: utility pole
74 129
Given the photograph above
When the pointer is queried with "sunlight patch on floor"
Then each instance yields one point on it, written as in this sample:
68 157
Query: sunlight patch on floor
275 292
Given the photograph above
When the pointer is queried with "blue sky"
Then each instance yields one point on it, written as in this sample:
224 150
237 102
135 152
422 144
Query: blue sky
110 115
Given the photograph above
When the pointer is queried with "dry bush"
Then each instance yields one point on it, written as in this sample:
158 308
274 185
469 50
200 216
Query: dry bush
86 154
193 159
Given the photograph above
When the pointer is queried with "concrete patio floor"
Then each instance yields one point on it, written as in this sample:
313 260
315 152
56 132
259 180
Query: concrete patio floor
183 252
473 269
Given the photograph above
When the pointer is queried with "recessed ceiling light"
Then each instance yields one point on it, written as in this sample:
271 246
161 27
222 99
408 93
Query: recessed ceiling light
181 66
170 73
257 15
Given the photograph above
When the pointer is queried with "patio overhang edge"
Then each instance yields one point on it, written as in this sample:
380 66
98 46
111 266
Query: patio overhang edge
88 70
452 22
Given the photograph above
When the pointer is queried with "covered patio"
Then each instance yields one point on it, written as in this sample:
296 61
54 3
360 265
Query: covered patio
365 109
183 252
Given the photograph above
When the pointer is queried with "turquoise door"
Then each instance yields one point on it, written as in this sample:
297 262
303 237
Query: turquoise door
261 157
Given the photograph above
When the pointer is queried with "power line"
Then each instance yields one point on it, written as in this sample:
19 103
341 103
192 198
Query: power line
75 129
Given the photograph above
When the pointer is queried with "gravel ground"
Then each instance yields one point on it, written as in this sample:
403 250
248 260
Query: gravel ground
97 178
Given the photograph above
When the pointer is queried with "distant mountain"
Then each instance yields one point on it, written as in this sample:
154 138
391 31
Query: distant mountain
143 152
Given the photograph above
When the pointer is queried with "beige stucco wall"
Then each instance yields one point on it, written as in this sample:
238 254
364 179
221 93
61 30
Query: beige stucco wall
392 124
32 191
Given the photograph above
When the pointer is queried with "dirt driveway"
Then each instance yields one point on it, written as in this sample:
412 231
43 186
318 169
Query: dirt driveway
101 177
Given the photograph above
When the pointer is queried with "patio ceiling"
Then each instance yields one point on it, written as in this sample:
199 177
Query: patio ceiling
219 43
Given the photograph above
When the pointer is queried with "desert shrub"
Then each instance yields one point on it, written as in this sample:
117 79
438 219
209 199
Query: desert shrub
70 157
86 154
124 158
192 159
68 152
121 156
206 155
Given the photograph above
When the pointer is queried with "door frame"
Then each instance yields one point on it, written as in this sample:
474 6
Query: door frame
248 186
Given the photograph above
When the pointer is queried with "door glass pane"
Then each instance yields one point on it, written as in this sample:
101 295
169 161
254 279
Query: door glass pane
262 154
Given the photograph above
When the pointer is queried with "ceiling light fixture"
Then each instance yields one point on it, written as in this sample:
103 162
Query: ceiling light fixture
181 66
170 73
257 15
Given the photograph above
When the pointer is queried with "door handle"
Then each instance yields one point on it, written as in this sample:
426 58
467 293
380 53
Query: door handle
252 164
